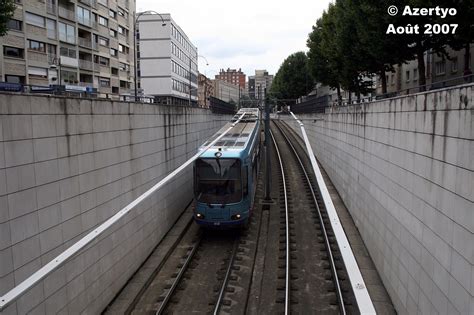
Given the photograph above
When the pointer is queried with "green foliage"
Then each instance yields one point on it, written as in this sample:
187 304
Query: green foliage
7 7
293 78
324 59
465 33
349 44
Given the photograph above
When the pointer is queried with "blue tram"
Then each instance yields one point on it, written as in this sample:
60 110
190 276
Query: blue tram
225 176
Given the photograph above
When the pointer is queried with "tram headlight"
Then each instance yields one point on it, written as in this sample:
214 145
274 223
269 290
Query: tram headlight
199 216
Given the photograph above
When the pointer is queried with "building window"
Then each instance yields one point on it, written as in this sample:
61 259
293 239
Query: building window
15 25
415 74
112 13
101 60
454 64
51 50
122 12
67 33
408 75
34 19
103 21
51 27
39 73
123 49
103 41
113 52
123 66
392 79
14 79
113 33
13 52
104 82
67 52
34 45
83 16
440 67
121 30
69 76
114 71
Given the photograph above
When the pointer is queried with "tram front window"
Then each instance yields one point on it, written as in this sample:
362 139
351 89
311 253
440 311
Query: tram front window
218 181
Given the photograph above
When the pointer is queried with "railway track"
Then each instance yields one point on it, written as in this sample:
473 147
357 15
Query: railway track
195 276
315 279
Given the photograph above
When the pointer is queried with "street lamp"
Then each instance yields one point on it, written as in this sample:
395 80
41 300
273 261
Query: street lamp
207 64
135 34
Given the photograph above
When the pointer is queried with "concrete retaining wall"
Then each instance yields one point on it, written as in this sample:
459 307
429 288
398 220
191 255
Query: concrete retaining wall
404 168
66 165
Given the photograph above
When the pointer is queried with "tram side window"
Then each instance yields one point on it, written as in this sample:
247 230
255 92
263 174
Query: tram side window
245 181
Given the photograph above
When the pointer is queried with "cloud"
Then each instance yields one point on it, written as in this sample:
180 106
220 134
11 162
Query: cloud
245 34
218 47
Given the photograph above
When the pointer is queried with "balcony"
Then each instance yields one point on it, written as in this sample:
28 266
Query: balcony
84 42
66 13
86 84
86 22
86 65
37 56
91 3
51 8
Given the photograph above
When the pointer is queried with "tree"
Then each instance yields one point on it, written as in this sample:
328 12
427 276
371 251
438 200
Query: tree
7 8
382 50
292 79
324 61
337 57
464 35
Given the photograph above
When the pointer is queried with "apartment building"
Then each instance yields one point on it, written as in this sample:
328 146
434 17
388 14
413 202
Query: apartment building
168 65
234 76
205 90
440 71
83 45
258 83
225 91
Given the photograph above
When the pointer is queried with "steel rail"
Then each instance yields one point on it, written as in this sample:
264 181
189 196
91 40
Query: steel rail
287 276
364 302
226 279
323 228
181 272
28 283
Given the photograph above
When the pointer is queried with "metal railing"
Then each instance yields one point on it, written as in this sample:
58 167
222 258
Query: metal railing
44 271
364 302
91 3
84 42
124 97
313 104
85 83
86 64
218 106
316 105
66 13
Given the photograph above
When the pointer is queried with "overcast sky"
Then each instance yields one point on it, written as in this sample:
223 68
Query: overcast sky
247 34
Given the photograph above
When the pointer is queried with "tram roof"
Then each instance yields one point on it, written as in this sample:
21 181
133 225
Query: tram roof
238 138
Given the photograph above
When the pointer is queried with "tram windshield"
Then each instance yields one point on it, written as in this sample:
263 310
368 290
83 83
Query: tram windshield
218 181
